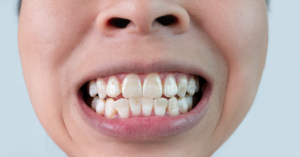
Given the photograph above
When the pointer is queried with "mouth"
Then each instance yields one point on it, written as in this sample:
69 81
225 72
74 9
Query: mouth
145 105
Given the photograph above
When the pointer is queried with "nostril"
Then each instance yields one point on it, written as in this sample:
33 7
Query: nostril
119 22
167 20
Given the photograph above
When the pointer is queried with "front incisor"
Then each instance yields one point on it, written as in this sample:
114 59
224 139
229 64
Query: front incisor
132 86
147 106
135 106
113 88
152 87
170 87
160 106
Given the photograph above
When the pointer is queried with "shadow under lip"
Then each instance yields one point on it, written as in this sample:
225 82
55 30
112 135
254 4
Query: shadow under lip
146 128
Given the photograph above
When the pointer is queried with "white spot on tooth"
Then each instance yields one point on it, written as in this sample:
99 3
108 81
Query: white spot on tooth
152 87
101 88
160 106
113 88
182 86
170 87
92 88
132 86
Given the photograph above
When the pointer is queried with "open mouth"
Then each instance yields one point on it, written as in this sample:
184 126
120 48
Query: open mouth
145 105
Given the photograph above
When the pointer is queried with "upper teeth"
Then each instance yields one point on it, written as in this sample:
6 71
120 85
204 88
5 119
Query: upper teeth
143 97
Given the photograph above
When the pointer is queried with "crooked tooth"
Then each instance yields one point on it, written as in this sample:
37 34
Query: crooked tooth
113 88
182 86
183 105
110 110
173 107
152 87
132 86
92 88
122 107
189 101
101 88
135 106
100 108
191 86
160 106
197 84
147 106
94 103
170 87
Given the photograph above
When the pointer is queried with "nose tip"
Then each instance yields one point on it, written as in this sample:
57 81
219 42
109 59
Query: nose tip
143 17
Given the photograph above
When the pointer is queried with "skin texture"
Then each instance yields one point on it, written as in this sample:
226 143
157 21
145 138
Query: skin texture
64 43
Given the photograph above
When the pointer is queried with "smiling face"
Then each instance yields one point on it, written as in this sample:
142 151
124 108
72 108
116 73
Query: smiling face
116 77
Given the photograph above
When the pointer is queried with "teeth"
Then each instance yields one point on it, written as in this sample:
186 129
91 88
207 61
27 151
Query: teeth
113 88
183 105
132 86
191 86
189 100
170 88
122 107
152 87
94 103
160 106
110 110
100 108
101 88
182 86
197 85
135 106
147 106
173 107
92 88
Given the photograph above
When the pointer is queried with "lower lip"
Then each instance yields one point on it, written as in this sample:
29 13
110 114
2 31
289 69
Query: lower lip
146 127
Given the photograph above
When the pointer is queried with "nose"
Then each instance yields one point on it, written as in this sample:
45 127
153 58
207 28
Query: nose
142 17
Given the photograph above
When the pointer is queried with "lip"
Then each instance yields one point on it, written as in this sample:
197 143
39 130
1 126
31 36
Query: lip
144 127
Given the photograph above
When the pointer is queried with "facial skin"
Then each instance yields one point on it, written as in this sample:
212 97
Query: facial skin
63 44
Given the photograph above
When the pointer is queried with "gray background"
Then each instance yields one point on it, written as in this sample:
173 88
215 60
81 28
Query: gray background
271 129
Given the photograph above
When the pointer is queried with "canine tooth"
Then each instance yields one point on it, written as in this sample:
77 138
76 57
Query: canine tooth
147 106
183 105
152 87
92 88
132 86
160 106
94 103
197 84
173 107
100 108
113 88
135 105
122 107
170 86
182 86
191 86
101 88
110 110
189 101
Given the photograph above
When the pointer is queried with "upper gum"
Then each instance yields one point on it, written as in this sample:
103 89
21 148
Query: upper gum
142 76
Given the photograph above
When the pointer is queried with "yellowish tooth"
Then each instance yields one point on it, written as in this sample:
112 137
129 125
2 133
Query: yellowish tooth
113 88
191 86
94 103
189 101
110 110
183 105
132 86
122 107
101 88
135 106
182 86
197 85
100 108
170 87
152 87
92 88
147 106
173 107
160 106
